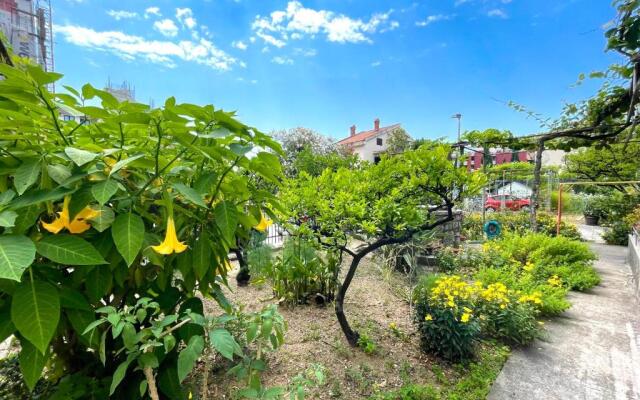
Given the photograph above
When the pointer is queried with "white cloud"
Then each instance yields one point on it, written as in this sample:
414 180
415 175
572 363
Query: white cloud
185 16
298 21
167 27
434 18
121 14
239 44
282 60
130 47
376 64
497 13
306 52
152 11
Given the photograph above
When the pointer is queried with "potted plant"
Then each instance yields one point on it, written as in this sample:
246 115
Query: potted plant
593 210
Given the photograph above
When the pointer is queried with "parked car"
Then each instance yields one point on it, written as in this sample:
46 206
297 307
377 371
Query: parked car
507 202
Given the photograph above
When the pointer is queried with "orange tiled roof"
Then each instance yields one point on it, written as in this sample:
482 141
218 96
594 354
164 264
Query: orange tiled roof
364 135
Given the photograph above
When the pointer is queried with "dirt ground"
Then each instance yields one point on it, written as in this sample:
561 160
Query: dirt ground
374 301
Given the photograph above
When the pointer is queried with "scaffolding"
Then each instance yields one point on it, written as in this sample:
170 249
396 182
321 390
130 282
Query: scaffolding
28 28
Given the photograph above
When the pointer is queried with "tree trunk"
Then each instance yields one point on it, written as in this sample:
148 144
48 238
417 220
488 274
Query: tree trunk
243 276
352 336
533 209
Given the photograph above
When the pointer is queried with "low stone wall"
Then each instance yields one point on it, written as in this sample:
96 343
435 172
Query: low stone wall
633 258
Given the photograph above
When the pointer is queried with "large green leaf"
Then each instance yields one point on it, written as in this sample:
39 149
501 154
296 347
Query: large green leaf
59 173
98 283
8 218
190 194
224 343
103 191
202 256
169 384
103 221
32 363
128 234
69 250
120 372
6 325
40 196
80 320
16 254
35 311
227 220
78 156
123 163
26 175
189 355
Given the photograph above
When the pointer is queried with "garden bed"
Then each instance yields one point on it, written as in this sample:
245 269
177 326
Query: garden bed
376 301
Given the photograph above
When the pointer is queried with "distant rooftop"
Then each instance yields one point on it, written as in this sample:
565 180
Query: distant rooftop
364 135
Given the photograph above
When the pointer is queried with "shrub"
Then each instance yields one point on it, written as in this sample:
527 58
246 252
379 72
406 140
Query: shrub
301 273
517 223
618 234
445 319
410 392
132 203
452 260
509 315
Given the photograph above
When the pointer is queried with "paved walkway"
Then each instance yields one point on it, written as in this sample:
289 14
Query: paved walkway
592 351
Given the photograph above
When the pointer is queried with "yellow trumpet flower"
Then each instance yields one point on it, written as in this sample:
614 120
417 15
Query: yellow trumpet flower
79 223
264 224
171 243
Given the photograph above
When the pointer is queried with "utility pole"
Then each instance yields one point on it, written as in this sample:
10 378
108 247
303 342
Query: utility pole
458 116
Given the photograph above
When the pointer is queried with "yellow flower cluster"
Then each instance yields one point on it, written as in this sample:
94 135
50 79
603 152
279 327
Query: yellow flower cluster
534 298
450 289
466 315
496 293
554 281
529 266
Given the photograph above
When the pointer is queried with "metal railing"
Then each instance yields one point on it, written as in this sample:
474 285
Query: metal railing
635 235
275 235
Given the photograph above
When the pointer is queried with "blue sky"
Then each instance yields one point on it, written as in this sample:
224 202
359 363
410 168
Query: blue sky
328 64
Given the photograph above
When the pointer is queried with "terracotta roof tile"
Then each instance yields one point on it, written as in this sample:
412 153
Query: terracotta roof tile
364 135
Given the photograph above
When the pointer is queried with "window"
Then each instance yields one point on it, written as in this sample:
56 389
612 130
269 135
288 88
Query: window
379 141
376 158
67 118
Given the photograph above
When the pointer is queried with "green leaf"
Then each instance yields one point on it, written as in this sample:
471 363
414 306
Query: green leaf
26 175
6 325
32 363
59 173
190 194
16 254
27 217
123 163
8 218
103 221
103 191
188 356
226 217
73 299
129 335
223 342
35 311
128 234
120 372
69 250
169 384
78 156
80 320
202 256
98 283
80 199
6 197
39 196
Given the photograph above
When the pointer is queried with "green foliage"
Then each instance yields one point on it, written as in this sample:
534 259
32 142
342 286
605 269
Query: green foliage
516 323
96 216
615 162
444 318
518 223
398 141
367 344
451 260
618 234
302 273
596 206
410 392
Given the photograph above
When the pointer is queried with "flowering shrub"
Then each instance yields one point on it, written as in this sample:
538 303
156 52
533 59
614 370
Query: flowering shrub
445 318
113 228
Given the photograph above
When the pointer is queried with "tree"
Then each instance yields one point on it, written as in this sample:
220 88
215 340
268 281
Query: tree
309 151
398 141
616 162
385 203
112 231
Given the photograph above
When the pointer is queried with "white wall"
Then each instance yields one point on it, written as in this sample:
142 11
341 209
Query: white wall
369 149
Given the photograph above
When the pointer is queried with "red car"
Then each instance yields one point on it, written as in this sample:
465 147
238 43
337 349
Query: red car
507 202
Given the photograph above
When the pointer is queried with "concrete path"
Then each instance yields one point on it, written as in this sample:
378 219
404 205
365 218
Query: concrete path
592 351
592 233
